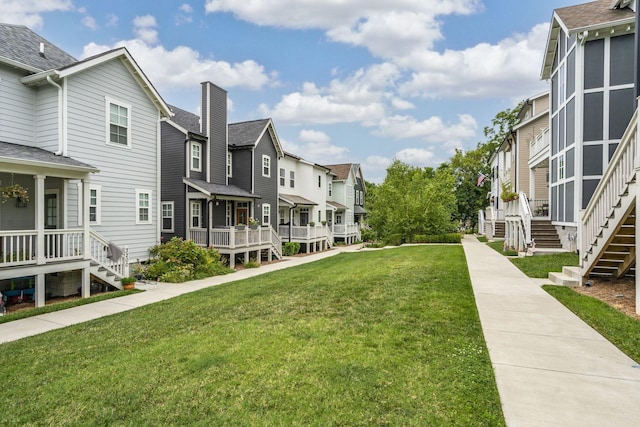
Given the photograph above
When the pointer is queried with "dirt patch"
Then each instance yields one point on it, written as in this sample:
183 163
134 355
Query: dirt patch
620 294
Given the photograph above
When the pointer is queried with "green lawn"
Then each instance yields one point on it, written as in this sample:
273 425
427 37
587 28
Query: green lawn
622 330
498 246
540 265
387 337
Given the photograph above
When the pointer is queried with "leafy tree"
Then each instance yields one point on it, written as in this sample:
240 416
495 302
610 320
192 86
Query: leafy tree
465 166
412 201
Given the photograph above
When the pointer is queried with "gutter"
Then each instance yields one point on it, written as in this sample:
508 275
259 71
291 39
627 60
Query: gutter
61 142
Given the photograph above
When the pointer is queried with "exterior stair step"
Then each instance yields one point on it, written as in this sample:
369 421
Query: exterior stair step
563 279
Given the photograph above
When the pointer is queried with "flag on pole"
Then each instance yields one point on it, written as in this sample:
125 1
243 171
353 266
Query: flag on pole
481 178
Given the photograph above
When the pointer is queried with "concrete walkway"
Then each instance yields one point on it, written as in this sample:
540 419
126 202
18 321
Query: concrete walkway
552 369
35 325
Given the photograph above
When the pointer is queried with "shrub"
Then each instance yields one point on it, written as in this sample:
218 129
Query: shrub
438 238
290 248
180 260
252 263
368 235
394 240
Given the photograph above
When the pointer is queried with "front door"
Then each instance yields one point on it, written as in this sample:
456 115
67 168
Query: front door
242 216
51 211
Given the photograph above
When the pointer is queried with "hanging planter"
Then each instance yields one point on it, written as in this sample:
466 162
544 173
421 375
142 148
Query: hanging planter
15 191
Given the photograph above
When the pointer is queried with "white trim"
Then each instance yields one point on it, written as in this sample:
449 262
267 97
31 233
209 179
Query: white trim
108 102
98 190
193 145
149 219
173 217
192 203
262 166
266 206
229 165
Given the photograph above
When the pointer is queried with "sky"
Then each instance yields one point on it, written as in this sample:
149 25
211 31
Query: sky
344 81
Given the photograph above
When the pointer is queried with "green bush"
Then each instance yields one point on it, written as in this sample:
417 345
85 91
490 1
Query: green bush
368 235
438 238
290 248
181 260
394 240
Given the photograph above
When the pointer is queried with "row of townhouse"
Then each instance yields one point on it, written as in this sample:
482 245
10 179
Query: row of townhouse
573 157
110 170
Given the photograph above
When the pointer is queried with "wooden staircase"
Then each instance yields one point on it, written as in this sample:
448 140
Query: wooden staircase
544 234
499 231
608 246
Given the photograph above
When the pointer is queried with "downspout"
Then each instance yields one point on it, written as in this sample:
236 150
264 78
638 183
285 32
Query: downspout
61 147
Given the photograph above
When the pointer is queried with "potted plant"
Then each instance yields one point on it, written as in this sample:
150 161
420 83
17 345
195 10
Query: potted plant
128 282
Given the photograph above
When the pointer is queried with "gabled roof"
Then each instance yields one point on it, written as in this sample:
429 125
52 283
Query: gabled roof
186 120
22 154
248 134
341 171
583 19
218 190
21 47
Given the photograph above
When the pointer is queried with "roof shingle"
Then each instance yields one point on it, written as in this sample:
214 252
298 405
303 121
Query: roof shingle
18 43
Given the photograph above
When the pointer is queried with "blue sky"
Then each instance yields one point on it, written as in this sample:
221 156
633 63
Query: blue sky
344 81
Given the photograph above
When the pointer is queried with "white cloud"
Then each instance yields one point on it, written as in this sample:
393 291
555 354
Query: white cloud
315 146
112 20
416 157
144 28
317 136
183 67
185 14
432 129
90 23
374 168
385 27
508 68
186 8
28 12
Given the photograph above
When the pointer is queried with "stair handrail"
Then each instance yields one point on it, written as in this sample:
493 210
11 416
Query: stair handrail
99 246
619 173
276 242
481 221
525 217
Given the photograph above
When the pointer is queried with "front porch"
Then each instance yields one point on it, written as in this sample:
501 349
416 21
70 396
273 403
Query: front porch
312 237
243 242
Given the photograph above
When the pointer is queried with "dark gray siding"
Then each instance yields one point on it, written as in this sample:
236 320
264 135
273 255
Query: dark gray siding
266 188
214 121
173 163
242 169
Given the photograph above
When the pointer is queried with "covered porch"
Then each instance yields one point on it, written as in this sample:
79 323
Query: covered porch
41 237
341 228
297 223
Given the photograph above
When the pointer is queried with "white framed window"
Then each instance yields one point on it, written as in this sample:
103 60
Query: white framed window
118 122
283 177
229 213
330 187
319 181
266 213
362 197
561 167
95 205
319 216
338 218
266 166
357 195
196 214
229 165
143 207
196 156
167 217
292 179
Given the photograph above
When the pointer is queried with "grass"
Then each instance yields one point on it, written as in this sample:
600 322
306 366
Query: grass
540 265
622 330
396 341
498 246
64 305
483 239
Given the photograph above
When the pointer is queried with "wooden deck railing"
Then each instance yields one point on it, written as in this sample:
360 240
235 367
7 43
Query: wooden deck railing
620 172
20 247
102 254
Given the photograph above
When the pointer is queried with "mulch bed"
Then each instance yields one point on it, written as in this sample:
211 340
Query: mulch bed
620 294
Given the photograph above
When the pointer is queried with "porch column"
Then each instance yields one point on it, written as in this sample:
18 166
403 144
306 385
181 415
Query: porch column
40 213
86 197
85 290
40 290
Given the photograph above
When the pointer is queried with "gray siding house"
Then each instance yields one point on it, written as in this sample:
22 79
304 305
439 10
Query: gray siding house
82 138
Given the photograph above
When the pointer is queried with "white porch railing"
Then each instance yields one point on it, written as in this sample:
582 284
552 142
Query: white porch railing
100 252
20 247
345 230
198 235
620 172
540 143
539 207
237 237
518 222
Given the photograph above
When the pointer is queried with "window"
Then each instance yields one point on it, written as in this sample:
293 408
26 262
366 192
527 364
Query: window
229 169
196 150
282 177
319 216
292 179
362 197
195 214
330 187
266 213
338 218
167 217
357 197
118 120
561 167
319 181
228 215
266 166
94 204
143 207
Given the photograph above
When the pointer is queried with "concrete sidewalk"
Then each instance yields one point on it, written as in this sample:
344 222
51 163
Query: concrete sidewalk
35 325
552 369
